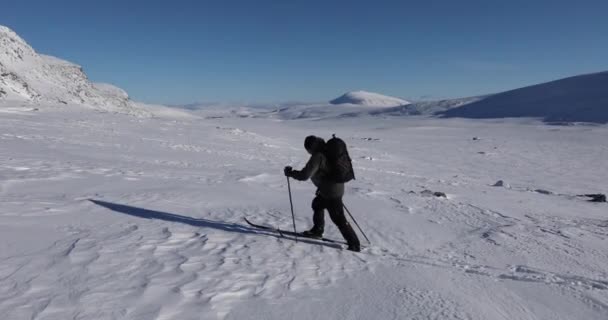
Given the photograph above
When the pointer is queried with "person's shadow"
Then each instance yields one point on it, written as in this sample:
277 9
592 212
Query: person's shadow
201 223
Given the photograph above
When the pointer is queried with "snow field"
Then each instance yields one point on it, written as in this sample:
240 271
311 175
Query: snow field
108 216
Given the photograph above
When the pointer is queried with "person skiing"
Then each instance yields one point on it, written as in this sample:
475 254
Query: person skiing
328 195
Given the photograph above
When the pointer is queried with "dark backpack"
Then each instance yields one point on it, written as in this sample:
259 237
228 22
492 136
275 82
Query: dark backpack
338 161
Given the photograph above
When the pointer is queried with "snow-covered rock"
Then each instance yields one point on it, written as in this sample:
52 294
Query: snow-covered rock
31 77
365 98
581 98
501 183
111 90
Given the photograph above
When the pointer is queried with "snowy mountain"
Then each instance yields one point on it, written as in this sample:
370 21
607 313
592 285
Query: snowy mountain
576 99
349 110
27 76
364 98
426 107
581 98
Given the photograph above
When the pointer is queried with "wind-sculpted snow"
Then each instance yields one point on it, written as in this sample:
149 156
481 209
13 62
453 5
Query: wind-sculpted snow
106 216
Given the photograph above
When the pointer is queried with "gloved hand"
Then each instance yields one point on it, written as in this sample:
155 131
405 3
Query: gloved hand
288 171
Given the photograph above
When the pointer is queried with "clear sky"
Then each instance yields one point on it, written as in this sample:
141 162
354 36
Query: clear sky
268 51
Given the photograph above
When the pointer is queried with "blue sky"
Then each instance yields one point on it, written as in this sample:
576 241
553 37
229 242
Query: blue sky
270 51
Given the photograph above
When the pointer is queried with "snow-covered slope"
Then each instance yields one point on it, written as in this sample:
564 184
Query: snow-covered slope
581 98
426 107
30 77
364 98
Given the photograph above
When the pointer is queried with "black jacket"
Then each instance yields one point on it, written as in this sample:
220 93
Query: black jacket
316 169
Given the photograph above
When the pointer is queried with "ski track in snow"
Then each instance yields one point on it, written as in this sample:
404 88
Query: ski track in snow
144 216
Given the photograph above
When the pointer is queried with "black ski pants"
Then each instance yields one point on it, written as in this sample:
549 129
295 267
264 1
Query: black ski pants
335 207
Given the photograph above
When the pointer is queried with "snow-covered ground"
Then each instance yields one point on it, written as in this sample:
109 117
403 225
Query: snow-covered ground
109 216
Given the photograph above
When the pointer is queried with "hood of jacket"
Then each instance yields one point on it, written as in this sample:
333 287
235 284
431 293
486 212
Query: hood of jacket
314 144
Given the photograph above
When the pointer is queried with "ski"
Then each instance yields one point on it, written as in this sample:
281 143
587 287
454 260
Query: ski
290 233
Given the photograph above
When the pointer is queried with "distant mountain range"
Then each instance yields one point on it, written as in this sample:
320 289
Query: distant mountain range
29 77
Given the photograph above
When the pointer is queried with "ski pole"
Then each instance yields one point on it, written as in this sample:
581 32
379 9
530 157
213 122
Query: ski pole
355 221
293 217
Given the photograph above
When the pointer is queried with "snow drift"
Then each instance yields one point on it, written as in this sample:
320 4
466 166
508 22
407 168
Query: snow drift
365 98
581 98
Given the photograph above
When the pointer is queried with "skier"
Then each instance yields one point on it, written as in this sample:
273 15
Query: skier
328 196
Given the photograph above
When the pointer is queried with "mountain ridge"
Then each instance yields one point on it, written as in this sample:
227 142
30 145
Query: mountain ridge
366 98
29 77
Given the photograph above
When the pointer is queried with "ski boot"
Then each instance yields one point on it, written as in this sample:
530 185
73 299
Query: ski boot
313 233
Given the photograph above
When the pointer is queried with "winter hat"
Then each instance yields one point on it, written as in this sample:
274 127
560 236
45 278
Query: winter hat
309 142
313 143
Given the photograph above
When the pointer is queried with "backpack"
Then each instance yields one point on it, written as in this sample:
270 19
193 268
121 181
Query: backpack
338 161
